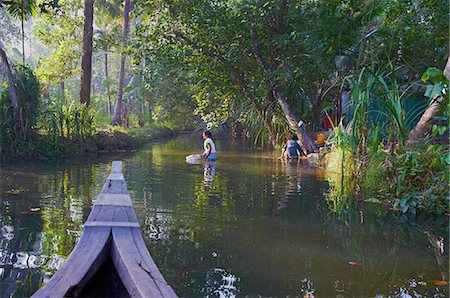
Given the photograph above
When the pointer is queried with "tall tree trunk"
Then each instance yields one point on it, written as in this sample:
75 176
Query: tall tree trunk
86 60
117 119
62 90
11 86
110 110
422 127
141 114
23 43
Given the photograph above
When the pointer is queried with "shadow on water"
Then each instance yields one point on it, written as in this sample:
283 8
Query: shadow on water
246 225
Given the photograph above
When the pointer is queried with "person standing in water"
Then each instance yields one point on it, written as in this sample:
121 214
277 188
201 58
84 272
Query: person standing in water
209 147
292 149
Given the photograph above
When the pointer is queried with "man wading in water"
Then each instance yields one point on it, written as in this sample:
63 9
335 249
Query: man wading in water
292 149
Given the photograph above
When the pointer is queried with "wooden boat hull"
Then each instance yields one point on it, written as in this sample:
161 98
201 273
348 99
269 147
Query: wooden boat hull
111 259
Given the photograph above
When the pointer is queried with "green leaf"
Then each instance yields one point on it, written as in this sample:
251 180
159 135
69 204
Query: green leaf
327 106
446 158
129 88
435 76
434 130
433 90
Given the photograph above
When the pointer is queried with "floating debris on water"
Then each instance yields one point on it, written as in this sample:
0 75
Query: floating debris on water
14 191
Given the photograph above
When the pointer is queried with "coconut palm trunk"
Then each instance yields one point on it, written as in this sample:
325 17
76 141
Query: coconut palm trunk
118 109
23 42
108 91
11 86
86 60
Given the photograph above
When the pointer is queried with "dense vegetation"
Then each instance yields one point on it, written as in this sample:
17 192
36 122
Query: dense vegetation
372 69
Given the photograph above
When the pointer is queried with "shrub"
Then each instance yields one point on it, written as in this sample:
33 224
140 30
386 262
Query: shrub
16 129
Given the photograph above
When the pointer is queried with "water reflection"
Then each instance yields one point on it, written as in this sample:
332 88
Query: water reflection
41 223
209 167
209 171
220 283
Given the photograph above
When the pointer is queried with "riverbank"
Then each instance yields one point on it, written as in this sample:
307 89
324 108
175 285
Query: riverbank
412 179
105 139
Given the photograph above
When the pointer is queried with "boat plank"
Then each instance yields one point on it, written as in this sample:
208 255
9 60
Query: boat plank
147 262
96 209
115 187
135 271
106 214
89 254
131 215
116 166
113 199
149 265
121 214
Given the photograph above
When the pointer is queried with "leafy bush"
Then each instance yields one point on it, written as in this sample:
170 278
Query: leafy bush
422 180
16 127
375 182
65 126
408 177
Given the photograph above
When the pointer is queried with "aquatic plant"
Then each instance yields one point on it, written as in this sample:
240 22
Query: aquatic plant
341 167
373 159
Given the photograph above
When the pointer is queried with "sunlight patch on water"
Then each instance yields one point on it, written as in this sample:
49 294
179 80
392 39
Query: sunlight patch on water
220 283
306 288
157 227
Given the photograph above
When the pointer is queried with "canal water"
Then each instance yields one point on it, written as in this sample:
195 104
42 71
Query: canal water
247 225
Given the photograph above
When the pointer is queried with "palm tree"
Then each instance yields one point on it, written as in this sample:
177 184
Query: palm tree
117 118
86 60
22 10
12 88
107 22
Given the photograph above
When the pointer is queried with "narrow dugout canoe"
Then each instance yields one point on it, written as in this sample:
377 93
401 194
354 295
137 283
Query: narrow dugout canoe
111 259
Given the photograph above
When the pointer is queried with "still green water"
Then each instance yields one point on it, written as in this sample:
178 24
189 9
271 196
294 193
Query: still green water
248 225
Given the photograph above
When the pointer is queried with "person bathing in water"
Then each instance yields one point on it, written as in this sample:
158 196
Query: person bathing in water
209 147
292 149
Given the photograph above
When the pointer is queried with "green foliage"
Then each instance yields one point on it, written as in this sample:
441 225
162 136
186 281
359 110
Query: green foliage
102 120
341 166
65 126
437 89
435 76
423 174
62 31
413 32
422 180
16 127
409 178
212 46
145 135
21 9
169 93
375 183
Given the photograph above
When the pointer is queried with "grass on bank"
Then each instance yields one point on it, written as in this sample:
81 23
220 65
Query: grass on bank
103 139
